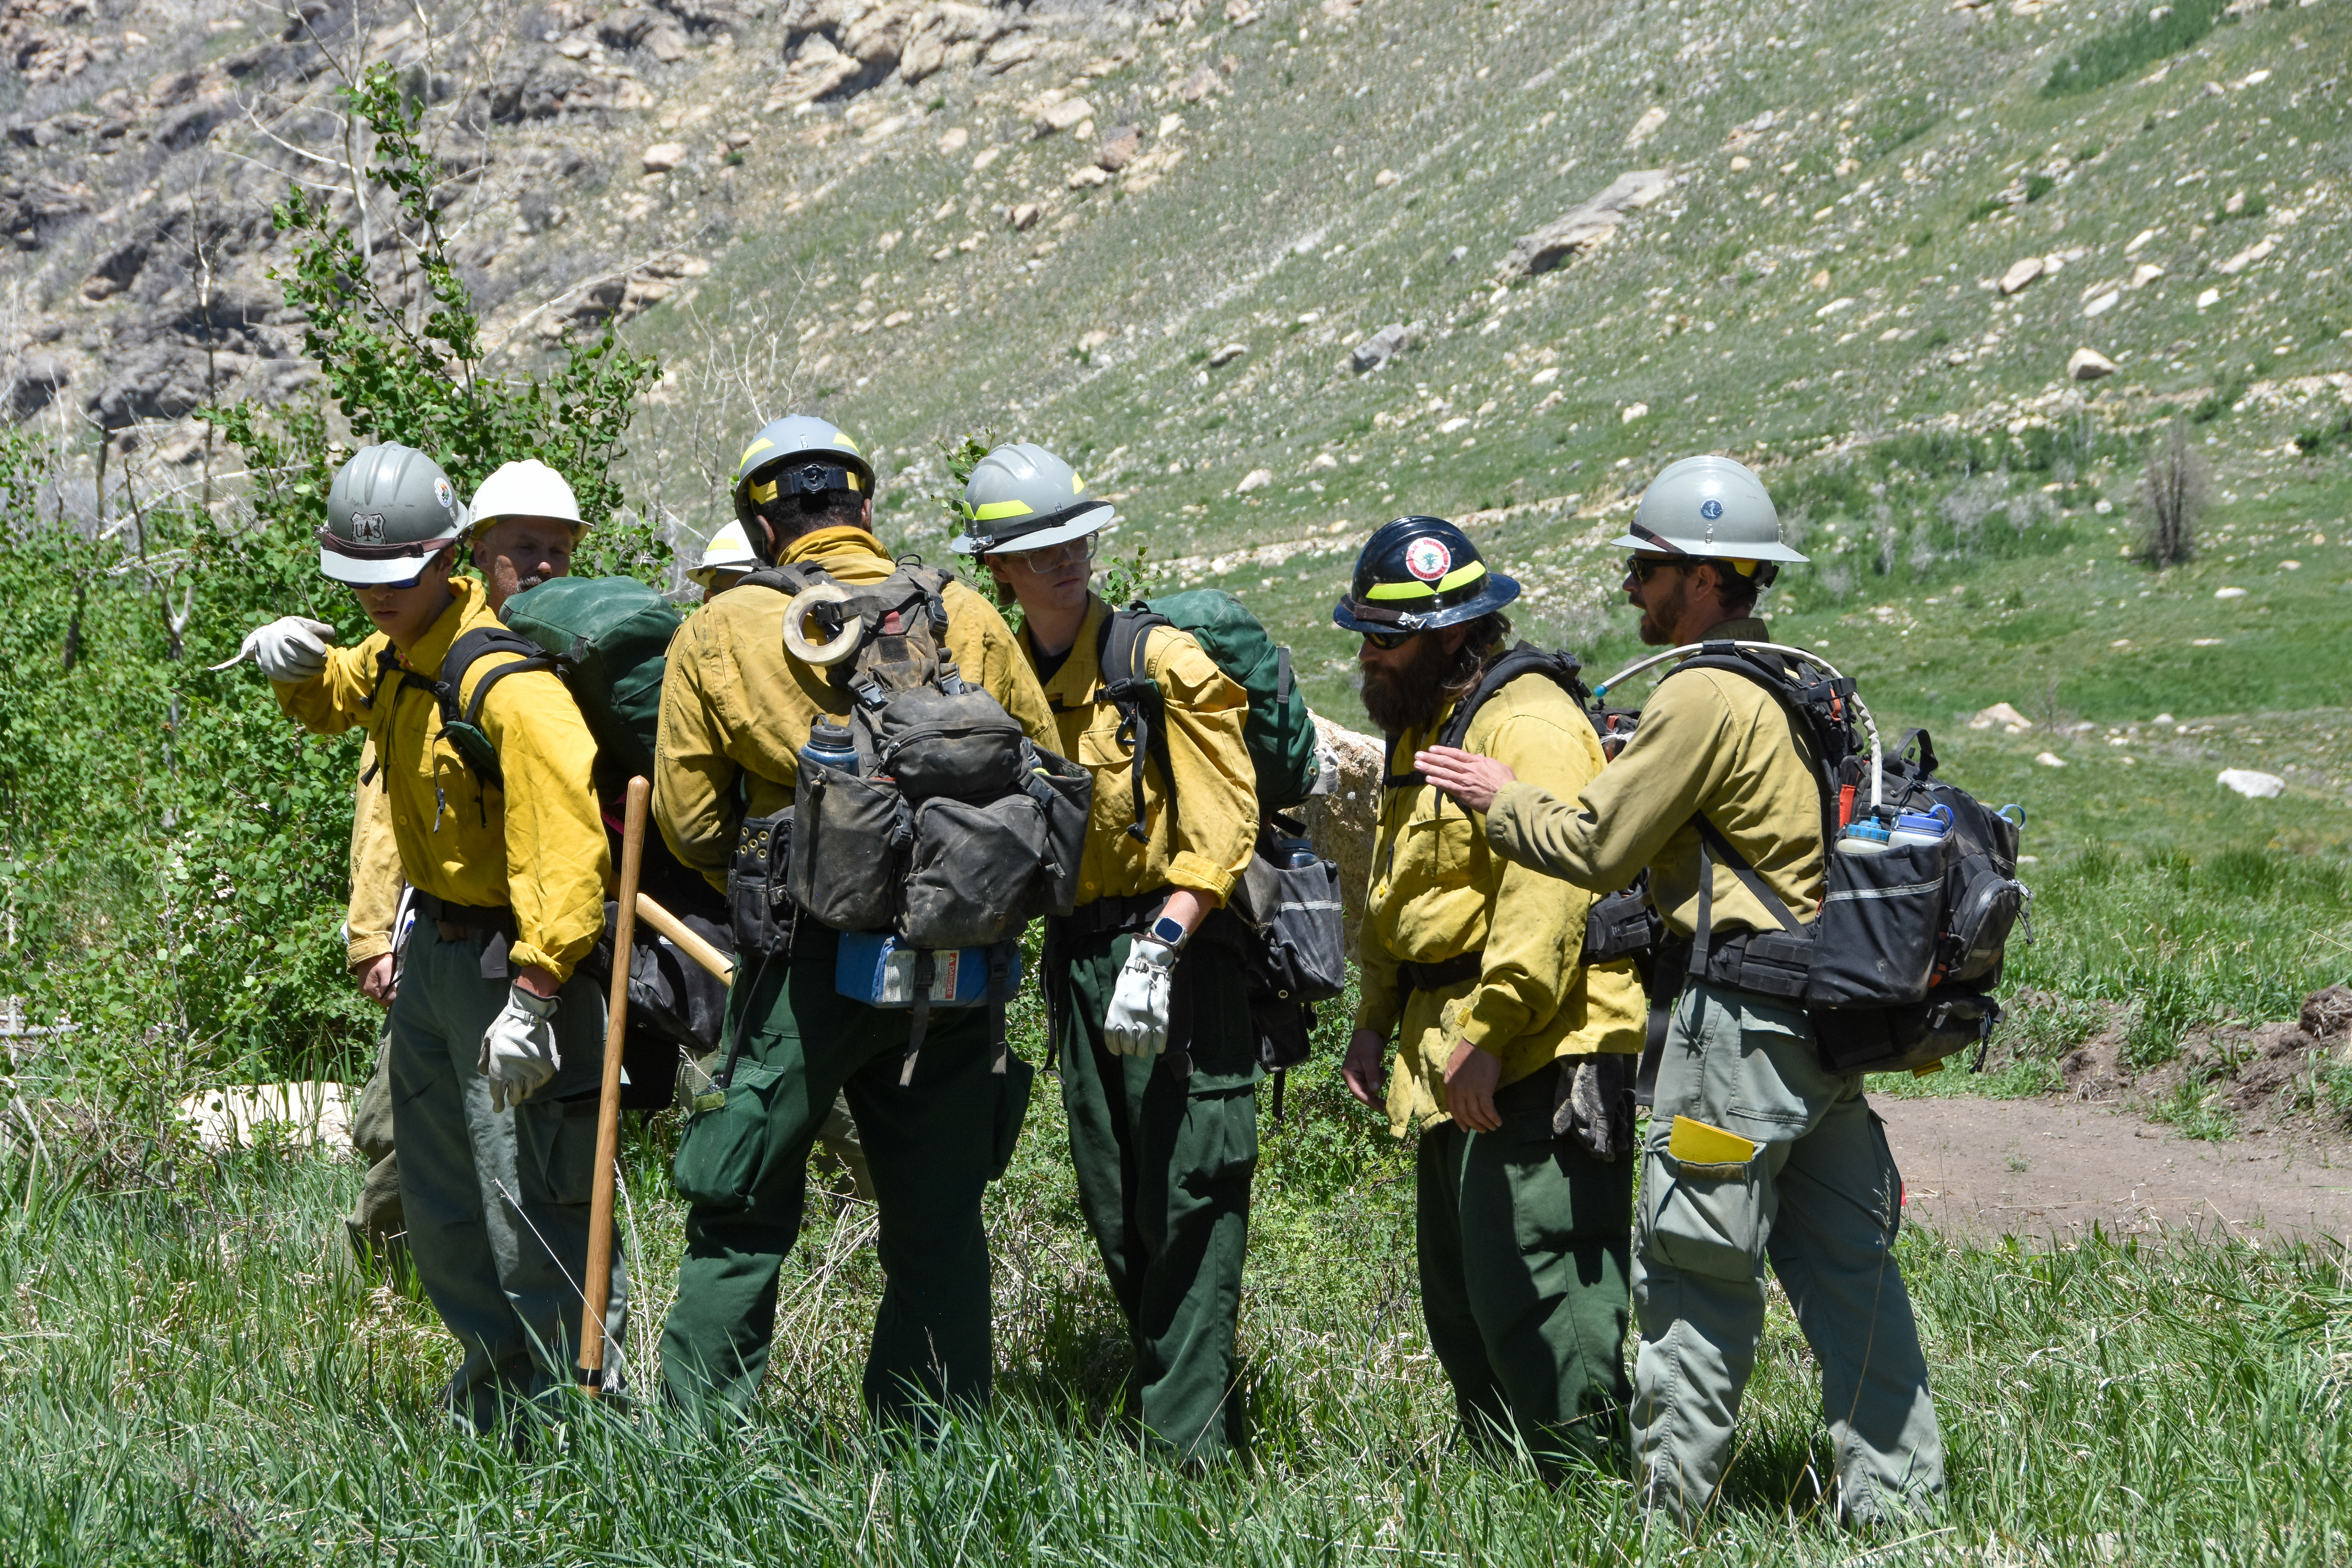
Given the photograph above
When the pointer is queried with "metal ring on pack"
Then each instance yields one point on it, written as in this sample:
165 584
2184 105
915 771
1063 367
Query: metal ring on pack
821 655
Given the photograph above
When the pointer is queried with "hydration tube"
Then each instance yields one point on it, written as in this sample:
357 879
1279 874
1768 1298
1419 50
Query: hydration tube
1877 794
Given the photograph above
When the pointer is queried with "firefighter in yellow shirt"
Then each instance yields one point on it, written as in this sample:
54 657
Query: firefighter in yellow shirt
1159 1061
1513 1055
496 1057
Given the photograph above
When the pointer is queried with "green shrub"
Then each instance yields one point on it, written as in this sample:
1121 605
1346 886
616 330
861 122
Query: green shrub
2143 38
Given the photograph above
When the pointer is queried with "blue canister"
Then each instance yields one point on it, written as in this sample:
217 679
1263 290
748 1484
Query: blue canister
830 745
1914 828
1867 837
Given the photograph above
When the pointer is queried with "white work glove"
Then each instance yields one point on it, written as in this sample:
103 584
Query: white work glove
1137 1023
519 1054
289 648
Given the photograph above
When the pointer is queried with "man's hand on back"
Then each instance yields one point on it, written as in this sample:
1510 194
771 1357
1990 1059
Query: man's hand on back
1465 776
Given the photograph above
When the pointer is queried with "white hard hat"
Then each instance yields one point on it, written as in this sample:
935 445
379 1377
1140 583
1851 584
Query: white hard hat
526 489
1712 507
730 549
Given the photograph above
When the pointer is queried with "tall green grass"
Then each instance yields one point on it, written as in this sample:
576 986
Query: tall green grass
2144 37
190 1374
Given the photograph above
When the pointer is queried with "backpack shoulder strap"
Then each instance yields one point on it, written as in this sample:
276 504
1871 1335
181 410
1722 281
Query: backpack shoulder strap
1737 662
1523 659
1142 707
463 724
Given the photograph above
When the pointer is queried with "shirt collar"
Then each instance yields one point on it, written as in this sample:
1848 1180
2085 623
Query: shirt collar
841 541
1076 683
468 604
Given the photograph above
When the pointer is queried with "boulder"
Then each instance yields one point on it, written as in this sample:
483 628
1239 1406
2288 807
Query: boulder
1343 823
2021 273
303 1114
1065 115
1584 226
1379 349
2002 714
2250 783
662 157
1255 480
1646 127
1199 85
2088 364
1119 149
35 383
1226 355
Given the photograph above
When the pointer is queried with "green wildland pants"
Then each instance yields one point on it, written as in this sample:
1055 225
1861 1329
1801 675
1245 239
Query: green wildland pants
1523 1238
379 1236
1821 1198
931 1149
496 1204
1164 1159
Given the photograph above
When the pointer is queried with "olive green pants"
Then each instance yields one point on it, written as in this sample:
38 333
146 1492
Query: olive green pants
1164 1159
1523 1240
379 1236
1821 1198
497 1202
932 1148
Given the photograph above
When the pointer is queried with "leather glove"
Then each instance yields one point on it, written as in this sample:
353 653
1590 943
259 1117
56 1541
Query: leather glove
1595 1103
1138 1022
289 648
518 1053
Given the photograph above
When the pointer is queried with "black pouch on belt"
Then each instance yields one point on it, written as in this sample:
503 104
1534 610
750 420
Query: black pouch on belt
758 907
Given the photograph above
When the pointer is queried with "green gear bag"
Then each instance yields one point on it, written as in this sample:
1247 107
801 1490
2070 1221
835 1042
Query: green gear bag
610 638
1278 731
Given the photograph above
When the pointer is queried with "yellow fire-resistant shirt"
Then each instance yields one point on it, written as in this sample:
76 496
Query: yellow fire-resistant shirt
538 845
376 881
736 709
1708 743
1438 893
1216 787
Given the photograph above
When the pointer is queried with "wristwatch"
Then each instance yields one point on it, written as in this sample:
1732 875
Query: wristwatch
1169 932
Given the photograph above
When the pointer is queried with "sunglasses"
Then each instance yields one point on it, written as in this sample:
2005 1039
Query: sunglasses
1050 557
364 588
1389 641
1642 568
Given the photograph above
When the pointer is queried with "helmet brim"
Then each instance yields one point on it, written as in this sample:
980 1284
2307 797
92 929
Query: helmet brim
1718 551
1498 590
1092 520
372 574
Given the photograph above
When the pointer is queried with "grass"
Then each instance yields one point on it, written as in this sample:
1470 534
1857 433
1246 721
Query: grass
2141 40
190 1373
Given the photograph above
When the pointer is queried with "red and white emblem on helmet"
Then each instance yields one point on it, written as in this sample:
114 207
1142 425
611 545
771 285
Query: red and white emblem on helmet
1428 559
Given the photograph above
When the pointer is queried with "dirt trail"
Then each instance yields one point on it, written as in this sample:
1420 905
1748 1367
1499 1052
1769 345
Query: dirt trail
2042 1167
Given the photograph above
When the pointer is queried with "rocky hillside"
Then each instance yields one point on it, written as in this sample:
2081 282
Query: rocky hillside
1271 270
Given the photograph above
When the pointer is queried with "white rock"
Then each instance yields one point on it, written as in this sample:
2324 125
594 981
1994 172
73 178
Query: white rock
1086 176
955 140
2209 298
2163 719
2229 593
663 156
1322 460
2103 304
1065 115
1385 178
2049 760
1451 425
2247 258
1583 226
1834 306
2089 364
1999 713
2251 784
2146 273
303 1113
1255 480
1645 127
1740 165
2021 273
1633 411
1549 373
2139 239
1025 214
1378 349
1226 355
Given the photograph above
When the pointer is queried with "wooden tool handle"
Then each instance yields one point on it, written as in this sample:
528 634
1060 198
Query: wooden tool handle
598 1281
682 937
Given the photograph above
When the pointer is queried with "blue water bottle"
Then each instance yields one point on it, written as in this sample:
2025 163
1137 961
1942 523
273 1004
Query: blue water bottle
829 745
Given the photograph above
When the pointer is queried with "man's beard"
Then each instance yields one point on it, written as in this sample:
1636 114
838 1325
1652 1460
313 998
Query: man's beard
1663 610
1412 697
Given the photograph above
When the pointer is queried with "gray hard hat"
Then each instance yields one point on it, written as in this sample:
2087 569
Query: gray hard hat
796 456
1022 496
390 510
1709 507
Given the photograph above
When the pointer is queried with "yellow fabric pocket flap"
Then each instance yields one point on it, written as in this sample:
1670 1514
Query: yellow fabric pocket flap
1704 1149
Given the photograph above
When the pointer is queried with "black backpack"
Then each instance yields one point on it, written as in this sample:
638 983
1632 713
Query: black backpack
1620 924
1897 968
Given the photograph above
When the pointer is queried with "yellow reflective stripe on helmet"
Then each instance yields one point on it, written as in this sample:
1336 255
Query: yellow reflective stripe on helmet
1401 590
1460 575
992 511
840 438
759 445
761 492
852 477
1745 568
